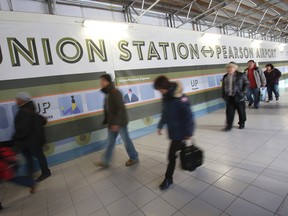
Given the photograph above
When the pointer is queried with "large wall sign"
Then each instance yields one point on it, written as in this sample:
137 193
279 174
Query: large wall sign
59 62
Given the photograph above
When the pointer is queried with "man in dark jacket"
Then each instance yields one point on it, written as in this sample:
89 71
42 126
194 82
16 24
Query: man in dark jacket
115 116
272 75
29 134
234 86
178 117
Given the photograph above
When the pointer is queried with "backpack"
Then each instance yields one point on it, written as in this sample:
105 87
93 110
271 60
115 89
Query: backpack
8 163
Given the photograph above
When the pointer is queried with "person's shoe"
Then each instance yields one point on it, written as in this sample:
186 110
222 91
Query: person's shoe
250 104
42 177
165 184
131 162
1 207
101 164
226 129
277 99
268 101
256 107
242 126
33 189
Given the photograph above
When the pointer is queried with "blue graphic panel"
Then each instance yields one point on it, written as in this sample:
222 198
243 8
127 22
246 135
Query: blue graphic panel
94 100
211 81
218 79
70 105
147 92
130 95
4 123
15 110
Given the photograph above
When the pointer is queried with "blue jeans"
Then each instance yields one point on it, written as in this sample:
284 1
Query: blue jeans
273 89
129 146
253 96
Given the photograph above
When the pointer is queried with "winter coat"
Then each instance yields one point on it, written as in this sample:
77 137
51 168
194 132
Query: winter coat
177 114
240 85
114 109
259 77
29 127
272 77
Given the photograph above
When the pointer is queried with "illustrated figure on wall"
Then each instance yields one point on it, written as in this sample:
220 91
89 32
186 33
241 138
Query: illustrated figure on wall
74 109
130 97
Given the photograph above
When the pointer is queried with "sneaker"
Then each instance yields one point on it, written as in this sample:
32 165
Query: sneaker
277 99
131 162
165 184
256 107
250 104
43 177
101 164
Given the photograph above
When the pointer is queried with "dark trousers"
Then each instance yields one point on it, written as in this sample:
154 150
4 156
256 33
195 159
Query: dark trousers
231 107
174 147
41 158
24 181
273 89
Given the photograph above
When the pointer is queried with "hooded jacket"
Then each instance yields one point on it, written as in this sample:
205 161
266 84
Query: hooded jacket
29 127
114 108
177 114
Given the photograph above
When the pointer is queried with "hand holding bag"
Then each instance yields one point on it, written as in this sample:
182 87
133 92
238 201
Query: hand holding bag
191 157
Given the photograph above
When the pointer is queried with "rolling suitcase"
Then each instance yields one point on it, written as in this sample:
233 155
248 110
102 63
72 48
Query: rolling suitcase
191 157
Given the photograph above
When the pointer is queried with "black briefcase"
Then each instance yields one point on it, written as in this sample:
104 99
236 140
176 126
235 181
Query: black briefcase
191 157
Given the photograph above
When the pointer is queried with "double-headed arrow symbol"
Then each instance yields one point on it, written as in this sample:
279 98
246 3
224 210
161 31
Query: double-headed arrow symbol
205 51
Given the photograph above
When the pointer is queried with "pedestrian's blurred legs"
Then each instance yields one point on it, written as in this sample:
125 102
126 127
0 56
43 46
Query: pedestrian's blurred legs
29 162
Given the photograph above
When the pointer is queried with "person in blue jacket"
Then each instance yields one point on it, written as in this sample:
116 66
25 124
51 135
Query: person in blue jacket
178 117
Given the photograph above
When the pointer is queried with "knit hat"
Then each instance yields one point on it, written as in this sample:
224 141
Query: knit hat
24 96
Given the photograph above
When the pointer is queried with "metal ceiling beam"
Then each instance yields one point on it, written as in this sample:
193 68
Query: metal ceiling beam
188 5
247 13
51 6
144 12
10 5
238 6
208 12
259 23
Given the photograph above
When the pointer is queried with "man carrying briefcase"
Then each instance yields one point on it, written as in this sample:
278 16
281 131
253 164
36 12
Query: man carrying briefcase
178 117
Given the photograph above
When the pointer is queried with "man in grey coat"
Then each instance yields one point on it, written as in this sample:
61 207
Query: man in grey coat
257 80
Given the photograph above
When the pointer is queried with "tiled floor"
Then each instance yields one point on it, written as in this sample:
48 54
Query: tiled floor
245 174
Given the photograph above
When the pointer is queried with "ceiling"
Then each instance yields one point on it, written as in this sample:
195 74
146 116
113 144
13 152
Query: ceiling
267 19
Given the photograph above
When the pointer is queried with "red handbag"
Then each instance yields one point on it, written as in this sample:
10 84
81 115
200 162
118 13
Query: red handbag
8 163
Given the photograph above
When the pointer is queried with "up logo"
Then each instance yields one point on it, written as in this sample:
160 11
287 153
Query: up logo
194 84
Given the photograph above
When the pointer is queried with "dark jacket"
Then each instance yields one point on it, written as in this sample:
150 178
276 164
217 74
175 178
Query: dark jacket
177 114
114 108
272 77
29 127
240 85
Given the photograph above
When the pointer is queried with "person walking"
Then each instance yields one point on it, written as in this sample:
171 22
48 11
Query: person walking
8 169
257 80
234 87
115 116
272 75
178 117
29 135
